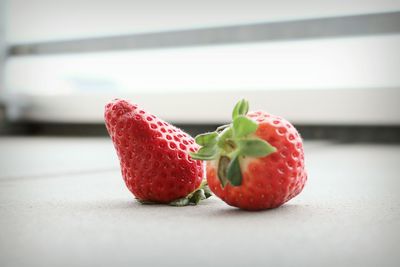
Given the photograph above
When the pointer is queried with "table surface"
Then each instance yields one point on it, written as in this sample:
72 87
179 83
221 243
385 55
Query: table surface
63 203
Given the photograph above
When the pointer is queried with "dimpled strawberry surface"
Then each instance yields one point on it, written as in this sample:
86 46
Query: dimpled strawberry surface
269 181
153 154
254 163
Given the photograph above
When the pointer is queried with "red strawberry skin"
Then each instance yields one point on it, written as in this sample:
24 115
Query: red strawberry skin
269 181
153 154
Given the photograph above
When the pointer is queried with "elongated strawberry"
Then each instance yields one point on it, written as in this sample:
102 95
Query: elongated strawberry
154 156
254 163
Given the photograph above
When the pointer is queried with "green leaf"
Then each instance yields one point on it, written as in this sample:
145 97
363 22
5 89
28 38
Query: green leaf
146 202
207 191
222 127
222 169
206 139
201 193
255 148
243 126
205 153
226 134
234 174
197 197
180 202
241 108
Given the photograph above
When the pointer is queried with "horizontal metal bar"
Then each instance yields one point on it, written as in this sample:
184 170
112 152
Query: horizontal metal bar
355 25
340 133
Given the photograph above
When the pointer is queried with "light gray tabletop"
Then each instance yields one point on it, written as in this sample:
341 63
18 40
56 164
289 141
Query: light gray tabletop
63 203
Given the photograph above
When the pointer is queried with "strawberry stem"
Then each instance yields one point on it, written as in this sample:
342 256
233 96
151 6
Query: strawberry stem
231 142
201 193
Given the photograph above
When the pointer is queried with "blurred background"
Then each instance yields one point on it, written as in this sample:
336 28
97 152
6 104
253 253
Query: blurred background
332 68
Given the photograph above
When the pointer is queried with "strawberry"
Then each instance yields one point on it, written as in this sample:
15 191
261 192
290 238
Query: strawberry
254 163
154 156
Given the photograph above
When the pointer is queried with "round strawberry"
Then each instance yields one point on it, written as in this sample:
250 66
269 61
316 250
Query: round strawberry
154 156
254 163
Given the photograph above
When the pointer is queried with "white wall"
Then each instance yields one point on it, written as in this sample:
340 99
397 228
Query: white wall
38 20
2 43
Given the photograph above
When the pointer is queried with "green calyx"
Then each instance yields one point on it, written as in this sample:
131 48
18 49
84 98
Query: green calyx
201 193
231 143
